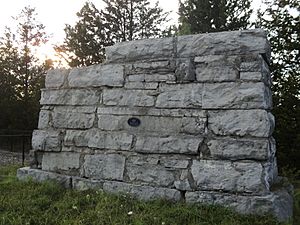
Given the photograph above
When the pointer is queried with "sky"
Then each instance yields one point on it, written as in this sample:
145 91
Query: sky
55 14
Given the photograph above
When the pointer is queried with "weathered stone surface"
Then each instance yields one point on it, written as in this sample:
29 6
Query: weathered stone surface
279 203
142 192
129 98
46 140
256 123
100 166
185 70
184 182
148 67
138 111
83 184
236 96
230 43
171 144
163 125
97 75
180 96
98 139
55 78
141 85
44 119
257 76
239 148
227 176
26 173
140 49
74 117
150 174
67 161
70 97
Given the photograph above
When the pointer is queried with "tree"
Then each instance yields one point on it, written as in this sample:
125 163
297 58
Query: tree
120 20
21 72
201 16
84 43
282 21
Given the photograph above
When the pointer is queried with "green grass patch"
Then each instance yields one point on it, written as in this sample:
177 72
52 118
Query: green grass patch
30 203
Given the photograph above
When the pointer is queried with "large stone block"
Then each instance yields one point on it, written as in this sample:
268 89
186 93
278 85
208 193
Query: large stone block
66 161
229 43
26 173
97 75
150 174
140 49
70 97
83 184
236 96
98 139
170 144
46 140
142 192
148 67
180 96
239 148
74 117
56 78
44 119
278 203
256 123
162 125
141 85
129 98
101 166
248 177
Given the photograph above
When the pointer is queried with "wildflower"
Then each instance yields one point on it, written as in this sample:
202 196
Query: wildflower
163 223
130 213
74 207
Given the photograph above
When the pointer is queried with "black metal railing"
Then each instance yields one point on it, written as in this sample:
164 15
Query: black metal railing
16 142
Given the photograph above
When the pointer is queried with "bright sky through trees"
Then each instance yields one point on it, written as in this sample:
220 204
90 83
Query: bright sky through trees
55 14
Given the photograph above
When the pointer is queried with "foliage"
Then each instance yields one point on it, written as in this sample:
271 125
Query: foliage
282 21
119 21
201 16
47 203
22 74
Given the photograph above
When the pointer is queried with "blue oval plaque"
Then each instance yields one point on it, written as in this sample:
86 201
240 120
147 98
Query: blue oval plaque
134 122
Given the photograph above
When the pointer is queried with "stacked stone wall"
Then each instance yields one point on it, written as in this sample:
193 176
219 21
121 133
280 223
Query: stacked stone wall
184 118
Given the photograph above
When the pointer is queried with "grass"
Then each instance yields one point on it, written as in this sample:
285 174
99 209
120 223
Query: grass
30 203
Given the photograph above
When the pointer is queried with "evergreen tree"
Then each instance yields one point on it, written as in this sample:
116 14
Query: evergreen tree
201 16
120 20
282 21
84 43
21 73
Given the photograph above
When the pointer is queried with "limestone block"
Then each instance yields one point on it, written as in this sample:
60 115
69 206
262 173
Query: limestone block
171 161
254 63
180 96
44 119
185 70
97 75
229 43
70 97
279 203
140 49
55 78
150 174
141 85
163 66
138 111
46 140
121 97
142 192
66 161
229 176
98 139
74 117
239 148
256 123
163 125
101 166
265 77
26 173
170 144
233 95
184 183
83 184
